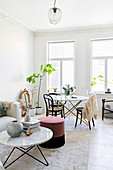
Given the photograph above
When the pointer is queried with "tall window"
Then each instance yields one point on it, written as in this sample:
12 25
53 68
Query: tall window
102 63
61 56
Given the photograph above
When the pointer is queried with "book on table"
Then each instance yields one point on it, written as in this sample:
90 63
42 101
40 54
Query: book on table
31 124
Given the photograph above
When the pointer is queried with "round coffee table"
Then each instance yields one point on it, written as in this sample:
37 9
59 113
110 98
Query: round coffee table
26 143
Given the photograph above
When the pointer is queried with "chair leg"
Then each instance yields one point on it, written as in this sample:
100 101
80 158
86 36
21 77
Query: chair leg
89 125
93 121
63 110
55 113
81 118
64 116
76 119
46 113
61 114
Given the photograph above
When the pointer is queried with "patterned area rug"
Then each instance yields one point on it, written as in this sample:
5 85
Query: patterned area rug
72 156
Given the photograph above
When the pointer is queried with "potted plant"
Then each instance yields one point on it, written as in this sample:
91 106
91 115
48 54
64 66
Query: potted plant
55 89
32 79
100 78
68 89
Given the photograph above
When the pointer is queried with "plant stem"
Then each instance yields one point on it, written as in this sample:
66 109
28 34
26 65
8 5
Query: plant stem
39 89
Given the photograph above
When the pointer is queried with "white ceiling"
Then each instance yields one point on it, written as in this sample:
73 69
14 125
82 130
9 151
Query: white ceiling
75 13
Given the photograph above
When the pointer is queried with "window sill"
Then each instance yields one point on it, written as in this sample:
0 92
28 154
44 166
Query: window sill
101 93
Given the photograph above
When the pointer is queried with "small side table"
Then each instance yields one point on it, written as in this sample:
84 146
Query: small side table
26 143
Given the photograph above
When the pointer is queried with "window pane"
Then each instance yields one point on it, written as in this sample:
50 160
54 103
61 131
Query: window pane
102 48
67 73
110 74
98 69
61 50
54 78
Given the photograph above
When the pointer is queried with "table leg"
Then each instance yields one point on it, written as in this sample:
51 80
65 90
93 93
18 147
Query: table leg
71 110
25 152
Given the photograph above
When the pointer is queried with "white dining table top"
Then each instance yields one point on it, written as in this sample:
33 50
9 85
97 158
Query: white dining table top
69 98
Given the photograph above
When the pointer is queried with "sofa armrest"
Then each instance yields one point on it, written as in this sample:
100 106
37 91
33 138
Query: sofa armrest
14 110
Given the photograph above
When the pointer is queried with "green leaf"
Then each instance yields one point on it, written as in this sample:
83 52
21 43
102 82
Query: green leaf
37 76
41 67
49 65
33 80
34 75
29 79
53 69
106 81
64 88
44 70
49 71
71 88
100 76
94 78
93 83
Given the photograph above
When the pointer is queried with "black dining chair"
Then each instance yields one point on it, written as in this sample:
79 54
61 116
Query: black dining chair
90 110
57 104
51 109
79 112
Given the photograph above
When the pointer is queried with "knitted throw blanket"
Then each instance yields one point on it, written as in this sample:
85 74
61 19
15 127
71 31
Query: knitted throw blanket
90 109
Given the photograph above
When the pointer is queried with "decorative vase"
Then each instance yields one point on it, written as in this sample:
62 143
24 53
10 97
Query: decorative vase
27 117
108 90
38 110
14 128
67 92
32 111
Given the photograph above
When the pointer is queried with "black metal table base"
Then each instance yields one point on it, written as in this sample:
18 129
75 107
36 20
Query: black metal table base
25 151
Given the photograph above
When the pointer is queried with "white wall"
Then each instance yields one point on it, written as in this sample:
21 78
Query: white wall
82 53
16 58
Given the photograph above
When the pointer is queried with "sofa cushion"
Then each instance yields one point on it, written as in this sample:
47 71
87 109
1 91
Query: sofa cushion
14 110
2 113
4 122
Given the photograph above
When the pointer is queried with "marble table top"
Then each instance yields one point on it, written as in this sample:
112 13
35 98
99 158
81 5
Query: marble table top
70 98
39 136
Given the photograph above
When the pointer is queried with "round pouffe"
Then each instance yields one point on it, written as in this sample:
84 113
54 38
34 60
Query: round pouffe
56 124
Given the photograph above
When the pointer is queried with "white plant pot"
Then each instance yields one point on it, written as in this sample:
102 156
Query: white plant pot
32 112
38 110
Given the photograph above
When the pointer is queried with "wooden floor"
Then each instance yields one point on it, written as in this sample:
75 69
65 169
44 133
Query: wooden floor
101 146
101 143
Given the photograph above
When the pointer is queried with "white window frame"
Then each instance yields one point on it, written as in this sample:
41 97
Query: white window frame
99 58
61 60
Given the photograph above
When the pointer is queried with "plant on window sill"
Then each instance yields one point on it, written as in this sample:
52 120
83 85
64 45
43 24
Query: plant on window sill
100 78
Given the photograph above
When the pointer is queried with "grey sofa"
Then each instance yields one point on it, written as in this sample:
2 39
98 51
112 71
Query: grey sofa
12 113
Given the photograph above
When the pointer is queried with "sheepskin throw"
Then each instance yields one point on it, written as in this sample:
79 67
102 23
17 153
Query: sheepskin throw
90 109
6 105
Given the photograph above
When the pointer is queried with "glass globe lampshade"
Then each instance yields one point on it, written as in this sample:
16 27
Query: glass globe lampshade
54 15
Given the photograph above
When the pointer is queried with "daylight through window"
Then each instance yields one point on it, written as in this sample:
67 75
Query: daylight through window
61 56
102 63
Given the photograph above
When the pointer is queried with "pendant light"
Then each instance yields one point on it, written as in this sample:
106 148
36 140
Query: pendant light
54 14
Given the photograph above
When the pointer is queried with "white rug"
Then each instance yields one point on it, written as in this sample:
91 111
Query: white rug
72 156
